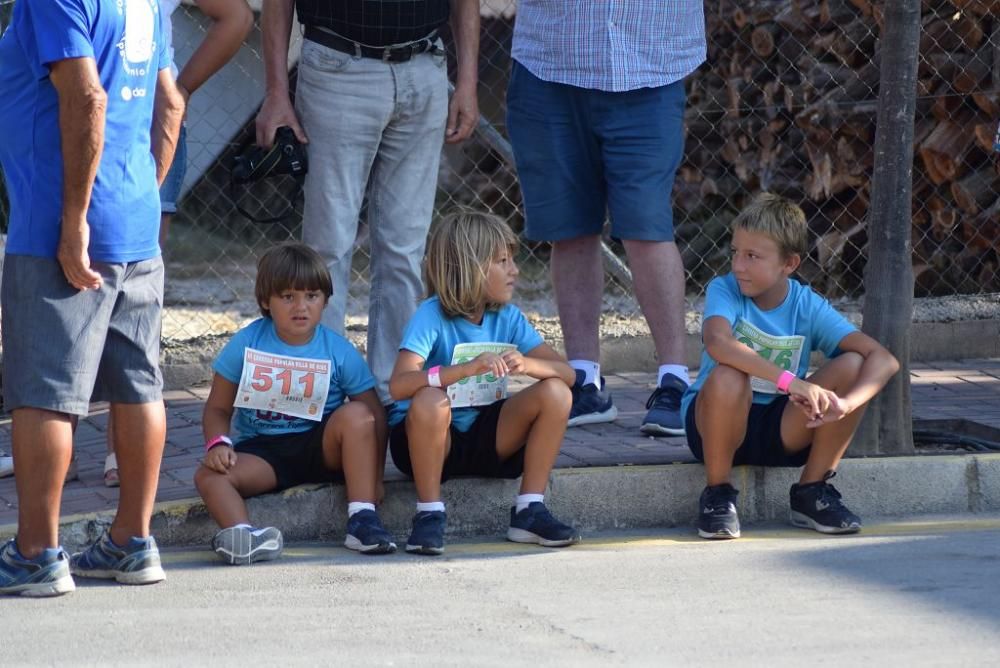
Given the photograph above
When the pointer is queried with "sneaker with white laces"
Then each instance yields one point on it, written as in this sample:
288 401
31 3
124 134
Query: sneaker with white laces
240 546
717 518
366 534
817 505
664 415
136 563
535 524
591 404
45 575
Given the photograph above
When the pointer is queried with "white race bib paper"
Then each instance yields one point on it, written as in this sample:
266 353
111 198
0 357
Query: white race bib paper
784 351
480 390
295 386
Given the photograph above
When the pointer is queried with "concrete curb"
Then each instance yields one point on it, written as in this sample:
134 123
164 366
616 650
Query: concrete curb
595 499
187 365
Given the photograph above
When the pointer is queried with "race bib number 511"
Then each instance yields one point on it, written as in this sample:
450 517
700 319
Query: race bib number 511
295 386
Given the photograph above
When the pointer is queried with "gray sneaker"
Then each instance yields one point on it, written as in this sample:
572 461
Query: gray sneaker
45 575
591 404
244 545
136 563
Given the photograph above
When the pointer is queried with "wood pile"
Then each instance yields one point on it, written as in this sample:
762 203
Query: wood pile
787 103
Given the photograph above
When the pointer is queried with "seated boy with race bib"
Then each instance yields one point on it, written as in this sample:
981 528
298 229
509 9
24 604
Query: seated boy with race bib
752 402
292 402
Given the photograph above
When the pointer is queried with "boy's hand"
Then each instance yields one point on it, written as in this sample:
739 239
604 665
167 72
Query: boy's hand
515 362
487 363
812 399
839 408
220 459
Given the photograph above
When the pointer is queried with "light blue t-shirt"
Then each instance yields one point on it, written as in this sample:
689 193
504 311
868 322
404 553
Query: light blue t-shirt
803 313
433 336
349 375
124 37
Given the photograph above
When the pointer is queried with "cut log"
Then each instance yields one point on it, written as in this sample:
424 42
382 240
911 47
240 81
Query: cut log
975 191
974 72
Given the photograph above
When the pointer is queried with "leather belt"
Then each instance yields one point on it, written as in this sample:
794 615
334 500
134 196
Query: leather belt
396 53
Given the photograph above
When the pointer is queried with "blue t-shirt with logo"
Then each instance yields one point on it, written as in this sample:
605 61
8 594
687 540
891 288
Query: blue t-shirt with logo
349 375
803 313
124 37
433 335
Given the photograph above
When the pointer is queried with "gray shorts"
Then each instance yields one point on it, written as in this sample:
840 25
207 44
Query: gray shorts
63 348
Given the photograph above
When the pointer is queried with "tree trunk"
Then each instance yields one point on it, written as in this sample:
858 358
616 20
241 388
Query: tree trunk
887 426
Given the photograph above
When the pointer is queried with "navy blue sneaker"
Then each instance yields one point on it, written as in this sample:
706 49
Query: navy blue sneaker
136 563
427 536
717 516
366 534
240 546
535 524
664 415
45 575
590 403
817 505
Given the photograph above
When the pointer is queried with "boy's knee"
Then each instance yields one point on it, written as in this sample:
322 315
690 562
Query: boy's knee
429 406
727 383
555 392
204 476
852 363
355 414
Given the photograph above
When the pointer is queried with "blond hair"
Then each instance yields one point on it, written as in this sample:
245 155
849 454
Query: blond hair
459 251
780 219
290 266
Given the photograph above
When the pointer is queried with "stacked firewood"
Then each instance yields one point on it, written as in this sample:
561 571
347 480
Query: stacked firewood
787 103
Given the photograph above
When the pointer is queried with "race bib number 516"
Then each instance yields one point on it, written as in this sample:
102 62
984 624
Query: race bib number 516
295 386
784 351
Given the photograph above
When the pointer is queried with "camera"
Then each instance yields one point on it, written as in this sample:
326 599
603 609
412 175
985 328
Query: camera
286 156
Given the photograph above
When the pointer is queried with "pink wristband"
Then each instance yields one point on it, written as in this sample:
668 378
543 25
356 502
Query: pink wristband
434 376
785 381
221 439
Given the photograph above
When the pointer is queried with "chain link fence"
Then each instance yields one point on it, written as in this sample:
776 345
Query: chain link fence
786 102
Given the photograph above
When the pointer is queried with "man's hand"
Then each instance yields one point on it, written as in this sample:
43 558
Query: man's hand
73 256
463 114
220 459
275 112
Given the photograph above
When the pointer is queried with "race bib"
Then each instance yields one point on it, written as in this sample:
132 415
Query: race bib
294 386
783 351
480 390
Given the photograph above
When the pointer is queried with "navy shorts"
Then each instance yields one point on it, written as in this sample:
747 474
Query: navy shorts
473 452
296 458
762 444
582 152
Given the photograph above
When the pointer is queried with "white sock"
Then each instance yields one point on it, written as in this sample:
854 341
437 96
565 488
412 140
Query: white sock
592 370
357 506
242 526
523 500
674 370
430 506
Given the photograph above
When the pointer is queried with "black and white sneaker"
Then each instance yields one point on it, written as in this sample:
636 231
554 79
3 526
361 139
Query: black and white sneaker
717 516
591 404
817 505
241 546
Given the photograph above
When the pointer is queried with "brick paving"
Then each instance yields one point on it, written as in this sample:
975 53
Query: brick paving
947 390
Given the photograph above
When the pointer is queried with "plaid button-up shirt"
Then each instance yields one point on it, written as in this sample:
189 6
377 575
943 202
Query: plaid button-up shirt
612 45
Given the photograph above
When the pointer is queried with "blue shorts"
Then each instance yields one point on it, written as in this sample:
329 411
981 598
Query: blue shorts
581 153
762 444
170 191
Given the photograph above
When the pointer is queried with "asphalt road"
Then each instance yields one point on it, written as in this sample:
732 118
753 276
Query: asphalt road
915 593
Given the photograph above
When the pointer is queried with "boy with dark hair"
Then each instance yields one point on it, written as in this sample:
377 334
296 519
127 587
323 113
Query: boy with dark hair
752 402
289 378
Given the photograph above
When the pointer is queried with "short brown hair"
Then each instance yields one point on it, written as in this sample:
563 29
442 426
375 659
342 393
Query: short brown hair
779 218
459 250
290 266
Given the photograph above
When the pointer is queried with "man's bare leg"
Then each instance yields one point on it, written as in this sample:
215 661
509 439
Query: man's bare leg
140 430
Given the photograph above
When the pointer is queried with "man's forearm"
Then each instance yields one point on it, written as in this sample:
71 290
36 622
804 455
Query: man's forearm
168 114
465 28
276 24
82 112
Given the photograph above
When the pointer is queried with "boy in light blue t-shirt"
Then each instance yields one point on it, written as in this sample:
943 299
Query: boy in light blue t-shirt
752 402
278 413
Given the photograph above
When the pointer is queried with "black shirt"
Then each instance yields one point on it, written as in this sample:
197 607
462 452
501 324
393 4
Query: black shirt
375 22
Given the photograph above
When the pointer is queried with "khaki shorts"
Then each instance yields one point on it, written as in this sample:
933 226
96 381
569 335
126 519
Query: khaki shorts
64 348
